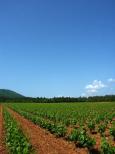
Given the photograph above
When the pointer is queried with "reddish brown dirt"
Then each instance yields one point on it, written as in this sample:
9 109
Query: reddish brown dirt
42 141
108 136
97 137
2 144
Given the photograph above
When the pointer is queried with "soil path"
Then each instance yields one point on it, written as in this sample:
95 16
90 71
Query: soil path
42 141
2 144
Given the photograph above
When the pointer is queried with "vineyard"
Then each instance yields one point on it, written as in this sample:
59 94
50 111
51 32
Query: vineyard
57 128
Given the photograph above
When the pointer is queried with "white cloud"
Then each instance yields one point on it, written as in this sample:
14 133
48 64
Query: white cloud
94 87
111 80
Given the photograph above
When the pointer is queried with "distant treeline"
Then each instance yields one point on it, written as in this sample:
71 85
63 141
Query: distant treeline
106 98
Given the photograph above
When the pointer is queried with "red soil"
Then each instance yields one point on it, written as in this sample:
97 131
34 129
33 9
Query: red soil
2 144
42 141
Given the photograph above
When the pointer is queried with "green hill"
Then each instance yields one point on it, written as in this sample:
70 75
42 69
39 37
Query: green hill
9 94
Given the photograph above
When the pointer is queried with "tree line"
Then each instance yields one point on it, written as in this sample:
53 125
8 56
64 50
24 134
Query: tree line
106 98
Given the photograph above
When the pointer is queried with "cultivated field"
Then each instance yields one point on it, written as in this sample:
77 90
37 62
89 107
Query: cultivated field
60 128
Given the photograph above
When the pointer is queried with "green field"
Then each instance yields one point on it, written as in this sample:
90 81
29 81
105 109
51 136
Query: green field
69 113
79 123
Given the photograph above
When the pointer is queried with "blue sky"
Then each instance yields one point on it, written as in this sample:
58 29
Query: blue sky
57 48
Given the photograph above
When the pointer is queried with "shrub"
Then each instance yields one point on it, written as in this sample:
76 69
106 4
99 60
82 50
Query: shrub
106 148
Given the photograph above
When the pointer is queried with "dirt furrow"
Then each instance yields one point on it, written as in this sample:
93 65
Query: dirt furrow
2 144
43 142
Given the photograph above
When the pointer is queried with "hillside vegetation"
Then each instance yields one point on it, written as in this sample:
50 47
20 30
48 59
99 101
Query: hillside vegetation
9 94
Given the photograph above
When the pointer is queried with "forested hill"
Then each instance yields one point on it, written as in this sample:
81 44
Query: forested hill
5 93
11 96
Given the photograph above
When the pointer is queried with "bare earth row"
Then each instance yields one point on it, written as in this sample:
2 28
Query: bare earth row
2 144
42 141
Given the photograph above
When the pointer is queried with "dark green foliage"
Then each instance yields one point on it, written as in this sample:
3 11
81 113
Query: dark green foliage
101 128
73 121
91 125
58 129
81 138
15 139
10 96
85 141
79 117
106 148
4 93
74 136
112 132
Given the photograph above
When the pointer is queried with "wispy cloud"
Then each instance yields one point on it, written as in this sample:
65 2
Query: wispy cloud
111 80
94 86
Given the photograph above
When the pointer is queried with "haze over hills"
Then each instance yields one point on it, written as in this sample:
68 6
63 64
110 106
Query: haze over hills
9 94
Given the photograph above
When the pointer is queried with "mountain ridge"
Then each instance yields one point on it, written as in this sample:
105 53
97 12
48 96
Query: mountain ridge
10 94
